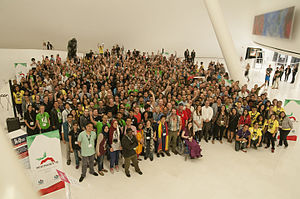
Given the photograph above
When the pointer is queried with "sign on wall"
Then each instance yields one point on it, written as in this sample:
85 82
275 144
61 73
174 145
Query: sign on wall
45 158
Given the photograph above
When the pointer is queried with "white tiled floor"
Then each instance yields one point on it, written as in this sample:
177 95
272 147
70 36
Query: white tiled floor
221 173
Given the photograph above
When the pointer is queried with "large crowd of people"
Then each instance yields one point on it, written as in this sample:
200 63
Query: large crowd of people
130 105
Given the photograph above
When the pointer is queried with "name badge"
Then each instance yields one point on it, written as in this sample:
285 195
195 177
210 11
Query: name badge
76 142
222 122
44 124
147 138
90 145
31 123
164 134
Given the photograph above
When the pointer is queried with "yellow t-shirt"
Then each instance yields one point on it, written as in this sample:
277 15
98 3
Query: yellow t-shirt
278 110
272 125
255 133
100 49
18 96
253 116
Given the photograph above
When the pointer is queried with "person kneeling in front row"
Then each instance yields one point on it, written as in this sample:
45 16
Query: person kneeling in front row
129 143
256 135
242 139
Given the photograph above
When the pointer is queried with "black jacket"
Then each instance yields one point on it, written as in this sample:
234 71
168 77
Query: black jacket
128 145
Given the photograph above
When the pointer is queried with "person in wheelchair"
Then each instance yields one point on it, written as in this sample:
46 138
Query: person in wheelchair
193 146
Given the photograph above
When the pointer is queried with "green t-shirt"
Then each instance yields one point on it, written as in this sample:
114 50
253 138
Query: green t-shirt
122 122
43 120
87 143
59 115
99 127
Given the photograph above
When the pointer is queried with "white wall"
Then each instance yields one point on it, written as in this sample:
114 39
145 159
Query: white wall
146 25
292 44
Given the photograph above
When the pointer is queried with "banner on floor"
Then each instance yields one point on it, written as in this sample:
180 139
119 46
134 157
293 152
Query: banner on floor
21 70
18 139
45 158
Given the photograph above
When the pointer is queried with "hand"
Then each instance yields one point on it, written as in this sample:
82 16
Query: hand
178 133
98 153
257 144
121 148
206 120
71 150
53 127
64 141
111 150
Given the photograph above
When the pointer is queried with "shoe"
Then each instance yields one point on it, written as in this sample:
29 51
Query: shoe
104 170
272 150
112 170
128 175
151 158
79 158
175 152
168 154
123 166
145 157
81 179
209 138
244 151
157 155
162 154
221 142
117 168
206 140
101 173
278 145
94 174
77 167
213 141
68 162
141 173
266 147
285 147
95 163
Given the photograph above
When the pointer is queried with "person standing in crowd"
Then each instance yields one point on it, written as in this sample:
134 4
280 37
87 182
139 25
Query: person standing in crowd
182 114
253 114
18 97
66 112
86 142
30 121
101 149
255 135
207 115
267 78
242 139
163 137
244 119
232 124
149 136
129 143
272 128
285 126
56 117
73 142
295 71
174 126
287 73
281 70
43 120
66 128
221 123
186 54
198 124
247 72
114 143
193 55
276 77
140 139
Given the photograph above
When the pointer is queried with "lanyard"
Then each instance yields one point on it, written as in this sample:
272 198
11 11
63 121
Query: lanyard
89 138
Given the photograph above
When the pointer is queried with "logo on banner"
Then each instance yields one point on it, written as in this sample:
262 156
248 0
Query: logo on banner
46 161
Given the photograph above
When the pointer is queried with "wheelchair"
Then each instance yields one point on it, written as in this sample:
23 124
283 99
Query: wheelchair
182 148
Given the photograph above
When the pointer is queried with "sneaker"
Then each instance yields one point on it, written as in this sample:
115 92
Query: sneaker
221 142
104 170
68 162
112 170
117 168
206 140
77 167
94 174
145 157
266 147
128 175
158 155
162 154
244 150
141 173
151 158
272 150
81 179
168 154
101 173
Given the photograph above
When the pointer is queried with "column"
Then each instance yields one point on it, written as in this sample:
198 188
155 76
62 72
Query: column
225 40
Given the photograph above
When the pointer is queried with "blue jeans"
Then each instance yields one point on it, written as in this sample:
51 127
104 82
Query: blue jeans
100 162
114 158
76 156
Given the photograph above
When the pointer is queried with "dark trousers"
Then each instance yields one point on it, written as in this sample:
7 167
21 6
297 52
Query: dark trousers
240 145
199 135
114 159
254 142
270 139
134 161
76 155
206 130
173 140
283 135
218 132
19 109
293 79
286 77
148 152
87 161
100 162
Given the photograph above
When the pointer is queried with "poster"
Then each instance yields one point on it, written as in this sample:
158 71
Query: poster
18 139
45 157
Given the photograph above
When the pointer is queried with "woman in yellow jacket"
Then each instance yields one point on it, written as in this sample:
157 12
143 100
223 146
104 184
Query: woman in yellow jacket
140 139
272 128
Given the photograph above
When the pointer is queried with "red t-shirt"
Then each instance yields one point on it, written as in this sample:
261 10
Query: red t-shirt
183 116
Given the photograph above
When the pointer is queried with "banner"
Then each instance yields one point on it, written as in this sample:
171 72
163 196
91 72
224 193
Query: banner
18 139
21 70
291 108
45 157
